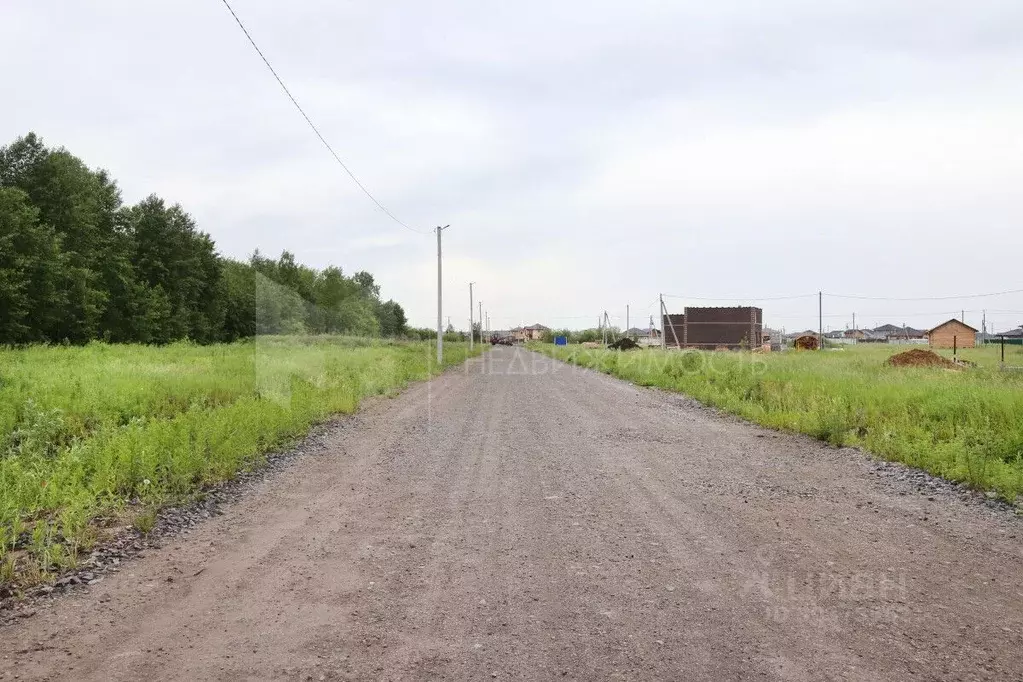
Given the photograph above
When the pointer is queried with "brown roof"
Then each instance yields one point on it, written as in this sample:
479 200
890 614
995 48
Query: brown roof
950 322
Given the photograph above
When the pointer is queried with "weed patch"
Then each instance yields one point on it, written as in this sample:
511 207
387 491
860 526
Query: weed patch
88 431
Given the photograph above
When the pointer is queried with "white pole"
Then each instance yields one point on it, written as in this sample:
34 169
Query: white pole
472 332
440 317
481 322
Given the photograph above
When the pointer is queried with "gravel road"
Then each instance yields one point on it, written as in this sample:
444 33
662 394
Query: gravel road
522 519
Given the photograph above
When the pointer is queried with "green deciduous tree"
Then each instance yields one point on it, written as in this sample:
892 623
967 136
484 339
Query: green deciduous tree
31 299
76 265
392 319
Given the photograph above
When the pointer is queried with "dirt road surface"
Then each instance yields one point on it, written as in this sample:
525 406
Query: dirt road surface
521 519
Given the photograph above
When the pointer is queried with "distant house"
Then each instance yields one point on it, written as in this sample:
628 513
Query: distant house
888 333
873 336
645 337
840 337
639 333
894 332
531 333
952 334
1013 336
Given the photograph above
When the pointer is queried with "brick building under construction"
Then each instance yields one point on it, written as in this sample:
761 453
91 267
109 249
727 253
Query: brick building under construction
713 328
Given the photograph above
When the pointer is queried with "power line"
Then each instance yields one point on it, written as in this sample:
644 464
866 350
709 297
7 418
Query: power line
743 298
926 298
313 126
794 316
755 299
558 317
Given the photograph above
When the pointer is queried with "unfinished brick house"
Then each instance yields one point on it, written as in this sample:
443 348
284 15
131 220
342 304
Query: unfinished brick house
713 328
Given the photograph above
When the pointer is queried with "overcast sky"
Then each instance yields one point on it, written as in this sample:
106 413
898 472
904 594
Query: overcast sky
587 155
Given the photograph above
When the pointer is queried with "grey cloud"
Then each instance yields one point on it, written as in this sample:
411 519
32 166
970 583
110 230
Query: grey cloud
559 139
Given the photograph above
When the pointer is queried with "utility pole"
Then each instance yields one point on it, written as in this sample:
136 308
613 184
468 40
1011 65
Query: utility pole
626 318
854 320
666 321
472 332
481 321
820 320
664 342
440 316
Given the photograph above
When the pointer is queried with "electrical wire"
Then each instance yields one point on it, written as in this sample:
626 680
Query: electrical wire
742 298
313 126
927 298
849 296
560 317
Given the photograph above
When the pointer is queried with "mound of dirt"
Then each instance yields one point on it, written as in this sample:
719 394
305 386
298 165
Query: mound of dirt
807 342
624 343
918 357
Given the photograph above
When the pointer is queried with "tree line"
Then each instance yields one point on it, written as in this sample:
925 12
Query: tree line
77 264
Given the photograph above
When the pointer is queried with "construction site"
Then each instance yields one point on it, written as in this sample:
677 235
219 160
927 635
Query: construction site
720 328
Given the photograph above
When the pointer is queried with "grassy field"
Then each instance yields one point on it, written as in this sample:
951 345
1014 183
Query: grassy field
962 425
104 429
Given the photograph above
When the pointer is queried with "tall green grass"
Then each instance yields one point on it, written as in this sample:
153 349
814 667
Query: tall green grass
88 430
962 425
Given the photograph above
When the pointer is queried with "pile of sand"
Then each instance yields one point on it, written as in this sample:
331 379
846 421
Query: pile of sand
918 357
